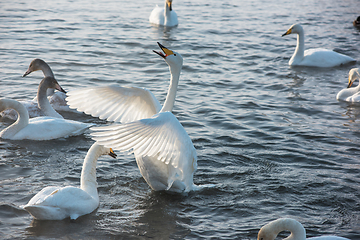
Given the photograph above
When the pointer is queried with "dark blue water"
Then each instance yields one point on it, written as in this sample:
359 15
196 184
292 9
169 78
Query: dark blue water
273 139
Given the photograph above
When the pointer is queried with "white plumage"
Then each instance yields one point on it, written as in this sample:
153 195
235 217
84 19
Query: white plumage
351 94
165 16
163 150
314 57
57 203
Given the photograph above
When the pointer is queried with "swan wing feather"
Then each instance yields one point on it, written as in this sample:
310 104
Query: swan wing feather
115 103
162 136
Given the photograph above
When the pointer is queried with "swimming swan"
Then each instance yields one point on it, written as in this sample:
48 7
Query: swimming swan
38 128
56 99
314 57
351 94
57 203
163 150
164 16
272 229
41 105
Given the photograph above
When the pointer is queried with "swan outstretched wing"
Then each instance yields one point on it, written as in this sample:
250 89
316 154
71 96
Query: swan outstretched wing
114 103
161 136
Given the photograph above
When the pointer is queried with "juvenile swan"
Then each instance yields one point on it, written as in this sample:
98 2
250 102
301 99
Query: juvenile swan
272 229
39 128
57 203
314 57
164 16
163 150
56 99
351 94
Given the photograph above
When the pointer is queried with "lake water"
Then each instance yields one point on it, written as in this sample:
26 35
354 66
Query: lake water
273 139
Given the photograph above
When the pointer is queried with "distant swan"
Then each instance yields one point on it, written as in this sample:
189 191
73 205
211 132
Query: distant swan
38 128
56 99
164 16
351 94
163 150
272 229
57 203
314 57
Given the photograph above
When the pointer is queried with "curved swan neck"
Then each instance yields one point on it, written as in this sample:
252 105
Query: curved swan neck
287 224
88 173
45 68
43 101
300 48
22 120
170 97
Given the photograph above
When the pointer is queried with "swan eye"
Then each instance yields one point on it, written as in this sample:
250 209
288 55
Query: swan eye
174 54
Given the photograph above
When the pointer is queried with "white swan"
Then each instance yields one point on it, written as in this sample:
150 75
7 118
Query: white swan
164 16
314 57
163 150
57 203
38 128
351 94
272 229
56 99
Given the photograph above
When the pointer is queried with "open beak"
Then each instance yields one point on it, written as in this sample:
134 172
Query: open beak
112 154
166 51
287 32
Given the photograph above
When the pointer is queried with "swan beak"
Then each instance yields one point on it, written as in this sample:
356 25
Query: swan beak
350 83
287 32
165 50
27 73
112 154
59 88
169 3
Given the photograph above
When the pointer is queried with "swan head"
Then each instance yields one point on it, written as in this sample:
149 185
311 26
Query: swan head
35 65
173 59
102 150
353 75
50 82
296 28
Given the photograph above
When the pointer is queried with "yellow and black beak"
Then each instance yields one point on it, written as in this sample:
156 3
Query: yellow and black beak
287 32
169 5
350 83
167 52
112 154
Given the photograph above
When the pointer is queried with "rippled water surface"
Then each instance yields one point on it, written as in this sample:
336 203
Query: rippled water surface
273 139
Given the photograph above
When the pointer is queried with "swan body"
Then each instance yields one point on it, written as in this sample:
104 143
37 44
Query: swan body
163 150
351 94
57 203
314 57
272 229
38 128
164 16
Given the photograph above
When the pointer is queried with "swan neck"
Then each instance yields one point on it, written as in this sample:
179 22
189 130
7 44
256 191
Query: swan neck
43 101
45 68
88 173
170 97
300 48
297 230
21 122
